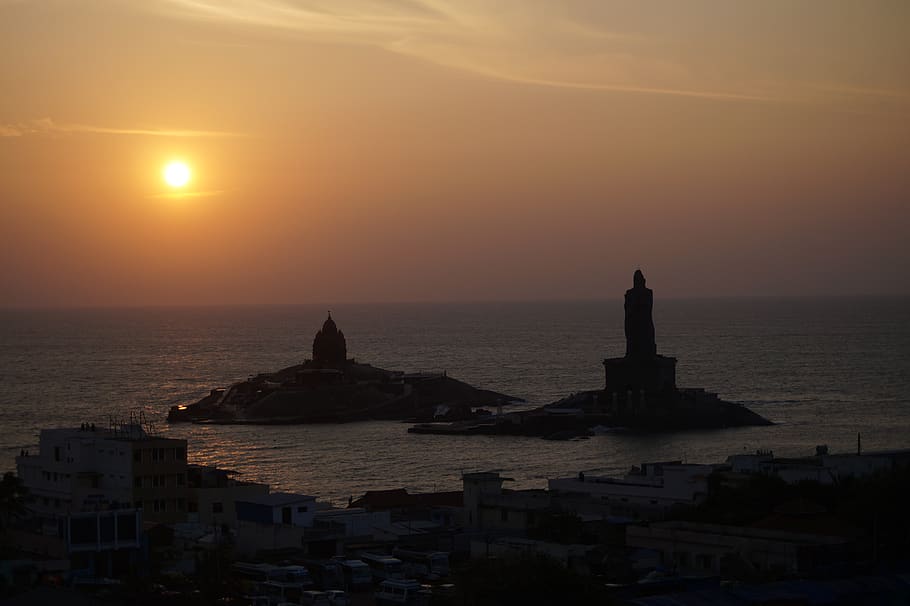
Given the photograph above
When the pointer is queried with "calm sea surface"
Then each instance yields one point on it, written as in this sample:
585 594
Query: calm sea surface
822 369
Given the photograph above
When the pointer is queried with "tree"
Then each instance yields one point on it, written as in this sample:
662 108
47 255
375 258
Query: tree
12 499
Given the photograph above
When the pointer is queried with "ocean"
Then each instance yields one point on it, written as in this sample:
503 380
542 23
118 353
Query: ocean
823 369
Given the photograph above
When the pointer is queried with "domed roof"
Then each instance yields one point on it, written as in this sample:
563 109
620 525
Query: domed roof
329 346
329 325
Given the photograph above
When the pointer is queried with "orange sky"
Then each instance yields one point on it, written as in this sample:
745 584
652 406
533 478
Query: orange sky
410 150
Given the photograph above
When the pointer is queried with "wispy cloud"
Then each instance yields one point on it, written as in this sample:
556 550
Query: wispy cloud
574 44
46 126
505 41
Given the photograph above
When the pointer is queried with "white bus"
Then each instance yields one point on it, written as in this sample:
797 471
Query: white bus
383 567
357 575
401 593
430 565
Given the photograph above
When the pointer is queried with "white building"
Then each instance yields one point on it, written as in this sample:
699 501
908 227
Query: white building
353 522
92 469
642 493
823 468
284 508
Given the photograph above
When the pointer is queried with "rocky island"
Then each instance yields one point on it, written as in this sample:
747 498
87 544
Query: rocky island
639 394
331 388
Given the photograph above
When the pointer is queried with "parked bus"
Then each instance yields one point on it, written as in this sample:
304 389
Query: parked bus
357 575
429 565
326 574
396 592
251 575
280 593
297 575
383 567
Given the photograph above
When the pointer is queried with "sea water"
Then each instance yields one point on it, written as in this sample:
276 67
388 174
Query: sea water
823 369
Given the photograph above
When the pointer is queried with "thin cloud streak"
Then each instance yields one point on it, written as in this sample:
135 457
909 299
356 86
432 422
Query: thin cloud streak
46 126
415 29
514 43
620 88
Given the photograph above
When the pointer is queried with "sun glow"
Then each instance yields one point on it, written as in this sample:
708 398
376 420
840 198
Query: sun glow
176 174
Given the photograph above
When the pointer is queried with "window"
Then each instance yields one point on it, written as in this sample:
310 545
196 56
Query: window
217 507
285 515
56 453
301 509
137 455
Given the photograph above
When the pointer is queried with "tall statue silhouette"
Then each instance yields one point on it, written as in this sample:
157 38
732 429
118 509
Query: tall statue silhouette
639 322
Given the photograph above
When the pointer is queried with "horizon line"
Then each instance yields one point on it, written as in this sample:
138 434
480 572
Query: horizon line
527 301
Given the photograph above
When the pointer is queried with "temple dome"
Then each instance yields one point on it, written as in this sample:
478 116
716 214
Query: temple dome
329 327
329 346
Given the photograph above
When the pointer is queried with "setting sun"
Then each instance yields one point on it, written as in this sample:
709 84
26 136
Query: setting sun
177 174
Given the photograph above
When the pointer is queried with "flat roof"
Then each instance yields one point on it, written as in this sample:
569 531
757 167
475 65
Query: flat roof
125 433
276 499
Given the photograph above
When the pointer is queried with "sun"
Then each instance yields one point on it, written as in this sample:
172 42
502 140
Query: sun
177 174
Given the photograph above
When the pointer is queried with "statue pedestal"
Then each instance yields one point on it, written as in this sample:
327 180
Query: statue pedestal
653 375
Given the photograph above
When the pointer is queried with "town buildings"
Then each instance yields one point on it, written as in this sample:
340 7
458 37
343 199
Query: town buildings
95 468
117 501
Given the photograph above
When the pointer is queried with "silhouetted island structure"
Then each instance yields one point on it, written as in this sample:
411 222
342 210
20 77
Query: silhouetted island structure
639 394
331 388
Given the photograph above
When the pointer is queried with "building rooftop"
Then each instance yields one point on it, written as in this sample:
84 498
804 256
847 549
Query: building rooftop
277 499
124 431
400 498
484 475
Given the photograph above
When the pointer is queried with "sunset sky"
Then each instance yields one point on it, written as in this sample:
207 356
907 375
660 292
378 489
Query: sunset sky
427 150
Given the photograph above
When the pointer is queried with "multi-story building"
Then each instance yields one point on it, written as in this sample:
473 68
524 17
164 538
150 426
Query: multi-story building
647 492
93 469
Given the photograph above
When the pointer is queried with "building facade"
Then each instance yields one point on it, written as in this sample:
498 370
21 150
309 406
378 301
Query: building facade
94 469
